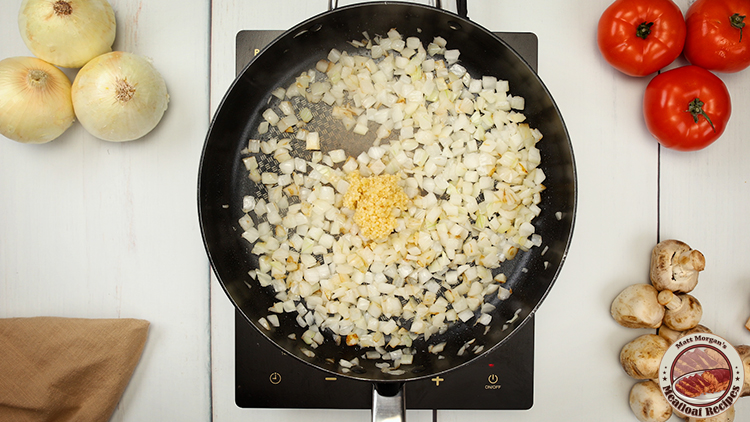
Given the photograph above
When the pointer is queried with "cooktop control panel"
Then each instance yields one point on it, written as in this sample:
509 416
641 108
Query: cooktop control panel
266 377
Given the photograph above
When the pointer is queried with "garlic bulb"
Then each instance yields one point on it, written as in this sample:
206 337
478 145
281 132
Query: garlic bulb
35 102
119 96
67 33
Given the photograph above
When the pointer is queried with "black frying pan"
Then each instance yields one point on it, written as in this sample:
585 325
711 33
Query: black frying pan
223 179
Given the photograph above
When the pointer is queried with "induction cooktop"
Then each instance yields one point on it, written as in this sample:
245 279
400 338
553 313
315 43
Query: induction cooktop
265 377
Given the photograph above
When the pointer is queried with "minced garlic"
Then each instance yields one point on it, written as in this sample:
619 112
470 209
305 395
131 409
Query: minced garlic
373 200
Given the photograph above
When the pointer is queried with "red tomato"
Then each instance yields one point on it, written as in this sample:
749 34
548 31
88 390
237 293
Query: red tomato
686 108
715 38
639 37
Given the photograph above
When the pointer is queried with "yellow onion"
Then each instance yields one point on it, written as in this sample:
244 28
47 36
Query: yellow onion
35 101
67 33
119 96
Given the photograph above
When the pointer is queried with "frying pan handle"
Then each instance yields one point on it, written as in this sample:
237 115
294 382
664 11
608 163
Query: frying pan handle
388 402
461 7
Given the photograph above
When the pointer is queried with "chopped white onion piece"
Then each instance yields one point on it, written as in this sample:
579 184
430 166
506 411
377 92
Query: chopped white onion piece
337 155
312 141
271 116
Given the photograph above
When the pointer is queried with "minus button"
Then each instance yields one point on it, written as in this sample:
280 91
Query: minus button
331 378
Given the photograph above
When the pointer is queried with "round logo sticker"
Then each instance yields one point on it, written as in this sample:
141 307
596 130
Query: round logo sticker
701 375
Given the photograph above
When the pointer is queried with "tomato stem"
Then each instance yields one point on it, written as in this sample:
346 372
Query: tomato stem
644 29
695 108
737 21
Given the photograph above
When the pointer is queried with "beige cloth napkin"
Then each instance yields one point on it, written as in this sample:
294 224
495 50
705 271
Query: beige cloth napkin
66 369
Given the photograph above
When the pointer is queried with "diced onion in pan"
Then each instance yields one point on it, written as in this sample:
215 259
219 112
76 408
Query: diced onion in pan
459 151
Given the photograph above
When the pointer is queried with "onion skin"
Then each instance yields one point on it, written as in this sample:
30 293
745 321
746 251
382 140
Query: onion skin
67 33
119 96
35 101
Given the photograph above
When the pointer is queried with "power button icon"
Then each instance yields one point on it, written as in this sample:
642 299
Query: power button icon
492 379
275 378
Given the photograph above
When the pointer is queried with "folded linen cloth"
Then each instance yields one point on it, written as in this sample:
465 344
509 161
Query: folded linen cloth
66 369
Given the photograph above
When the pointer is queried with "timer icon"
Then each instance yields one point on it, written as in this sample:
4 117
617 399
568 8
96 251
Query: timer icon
275 378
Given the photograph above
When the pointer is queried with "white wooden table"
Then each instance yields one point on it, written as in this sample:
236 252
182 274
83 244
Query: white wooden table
96 229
